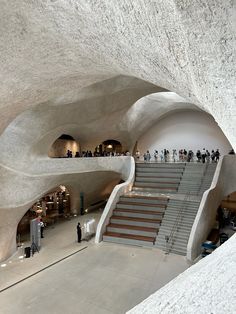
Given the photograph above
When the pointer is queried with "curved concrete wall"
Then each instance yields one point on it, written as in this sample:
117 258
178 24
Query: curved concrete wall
224 183
96 177
184 129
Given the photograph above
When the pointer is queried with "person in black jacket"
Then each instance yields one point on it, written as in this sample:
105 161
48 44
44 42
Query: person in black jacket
79 233
217 154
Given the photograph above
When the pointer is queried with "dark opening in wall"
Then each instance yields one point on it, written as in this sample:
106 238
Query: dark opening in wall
66 137
62 145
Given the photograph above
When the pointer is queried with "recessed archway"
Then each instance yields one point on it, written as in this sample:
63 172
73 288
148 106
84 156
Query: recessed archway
52 207
64 146
108 147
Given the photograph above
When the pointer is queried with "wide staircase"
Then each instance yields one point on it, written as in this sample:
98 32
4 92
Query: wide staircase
148 217
136 220
158 177
176 226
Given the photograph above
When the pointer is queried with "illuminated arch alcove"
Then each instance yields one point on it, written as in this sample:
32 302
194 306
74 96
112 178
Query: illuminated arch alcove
51 208
109 147
62 145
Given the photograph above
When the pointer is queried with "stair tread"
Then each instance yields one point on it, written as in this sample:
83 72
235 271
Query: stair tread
146 197
120 226
136 219
159 182
129 236
153 187
137 211
141 204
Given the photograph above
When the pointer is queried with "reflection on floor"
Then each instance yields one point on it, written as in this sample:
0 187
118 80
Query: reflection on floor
104 278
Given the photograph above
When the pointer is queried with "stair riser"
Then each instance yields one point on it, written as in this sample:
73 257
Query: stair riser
167 230
181 238
127 241
160 166
169 225
156 185
137 215
165 176
176 208
139 207
184 214
160 180
135 223
143 200
129 231
153 190
182 242
160 171
173 217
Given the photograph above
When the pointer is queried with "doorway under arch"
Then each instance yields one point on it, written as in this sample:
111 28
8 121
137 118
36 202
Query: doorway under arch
109 147
52 207
62 145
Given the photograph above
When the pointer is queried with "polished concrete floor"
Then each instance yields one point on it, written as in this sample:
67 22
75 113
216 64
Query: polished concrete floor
104 278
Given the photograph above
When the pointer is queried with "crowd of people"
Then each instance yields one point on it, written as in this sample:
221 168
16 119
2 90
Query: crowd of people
182 155
89 153
164 155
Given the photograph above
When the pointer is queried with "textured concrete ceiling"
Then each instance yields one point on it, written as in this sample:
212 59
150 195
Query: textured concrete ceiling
51 50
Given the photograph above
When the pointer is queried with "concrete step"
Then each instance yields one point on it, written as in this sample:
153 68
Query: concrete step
166 229
161 165
150 207
187 223
181 236
134 230
180 241
156 179
188 217
153 190
156 175
130 221
159 185
128 239
144 199
138 213
184 208
181 203
160 171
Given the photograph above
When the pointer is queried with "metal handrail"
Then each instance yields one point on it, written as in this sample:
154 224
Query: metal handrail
170 238
203 176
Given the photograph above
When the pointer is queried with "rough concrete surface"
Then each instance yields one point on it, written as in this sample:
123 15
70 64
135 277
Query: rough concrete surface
84 68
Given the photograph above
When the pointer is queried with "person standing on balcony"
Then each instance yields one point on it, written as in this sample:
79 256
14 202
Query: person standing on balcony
217 154
203 153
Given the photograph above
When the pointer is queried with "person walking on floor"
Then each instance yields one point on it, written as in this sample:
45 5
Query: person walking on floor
79 233
41 224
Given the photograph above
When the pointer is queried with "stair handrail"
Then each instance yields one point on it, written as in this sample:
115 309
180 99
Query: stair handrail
202 179
181 178
170 238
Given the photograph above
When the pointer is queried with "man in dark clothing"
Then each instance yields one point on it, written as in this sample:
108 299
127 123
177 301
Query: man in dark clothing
41 228
79 233
217 155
